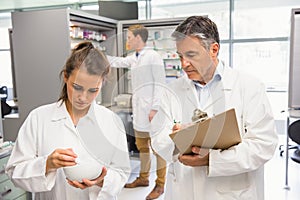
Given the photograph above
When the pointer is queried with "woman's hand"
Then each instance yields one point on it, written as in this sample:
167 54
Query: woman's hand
60 158
88 183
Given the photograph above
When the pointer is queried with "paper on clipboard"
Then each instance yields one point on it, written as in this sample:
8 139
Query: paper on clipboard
218 132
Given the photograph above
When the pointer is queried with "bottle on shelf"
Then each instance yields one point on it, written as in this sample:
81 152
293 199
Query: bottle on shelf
178 71
86 34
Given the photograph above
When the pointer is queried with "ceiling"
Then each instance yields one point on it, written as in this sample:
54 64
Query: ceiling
9 5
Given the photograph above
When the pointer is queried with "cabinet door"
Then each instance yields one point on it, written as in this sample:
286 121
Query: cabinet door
23 197
102 33
159 39
9 191
3 162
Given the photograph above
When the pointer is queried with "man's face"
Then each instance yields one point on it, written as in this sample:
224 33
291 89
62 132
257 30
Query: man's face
196 61
131 41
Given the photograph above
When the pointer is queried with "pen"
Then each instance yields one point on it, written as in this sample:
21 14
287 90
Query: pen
176 122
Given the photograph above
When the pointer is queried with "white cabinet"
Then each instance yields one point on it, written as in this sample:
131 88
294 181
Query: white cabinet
42 41
159 39
7 189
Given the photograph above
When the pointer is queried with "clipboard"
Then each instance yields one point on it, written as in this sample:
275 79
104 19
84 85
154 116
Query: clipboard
218 132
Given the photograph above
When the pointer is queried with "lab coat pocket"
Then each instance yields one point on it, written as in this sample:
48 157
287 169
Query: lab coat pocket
145 104
236 187
142 108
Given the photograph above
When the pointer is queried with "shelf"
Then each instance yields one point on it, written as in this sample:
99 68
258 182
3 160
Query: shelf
84 39
96 44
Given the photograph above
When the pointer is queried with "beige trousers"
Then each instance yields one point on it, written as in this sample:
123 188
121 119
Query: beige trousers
143 143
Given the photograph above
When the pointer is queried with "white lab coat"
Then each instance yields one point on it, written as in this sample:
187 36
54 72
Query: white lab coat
147 80
236 173
50 127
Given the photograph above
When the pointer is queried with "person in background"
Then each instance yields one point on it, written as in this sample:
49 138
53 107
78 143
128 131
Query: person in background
147 79
5 108
48 137
213 87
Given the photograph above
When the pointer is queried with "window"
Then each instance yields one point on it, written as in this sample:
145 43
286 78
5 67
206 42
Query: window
5 64
254 36
261 31
259 42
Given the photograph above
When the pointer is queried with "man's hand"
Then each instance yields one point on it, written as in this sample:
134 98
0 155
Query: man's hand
200 157
151 114
176 127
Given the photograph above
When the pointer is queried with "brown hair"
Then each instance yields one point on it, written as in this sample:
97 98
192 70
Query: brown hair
139 30
84 55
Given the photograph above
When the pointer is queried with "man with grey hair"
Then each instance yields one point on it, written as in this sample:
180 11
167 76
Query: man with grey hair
212 87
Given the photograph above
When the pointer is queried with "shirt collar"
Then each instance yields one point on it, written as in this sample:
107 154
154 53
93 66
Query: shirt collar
216 77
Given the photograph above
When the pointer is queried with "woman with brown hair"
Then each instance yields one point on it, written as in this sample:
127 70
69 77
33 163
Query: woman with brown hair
61 135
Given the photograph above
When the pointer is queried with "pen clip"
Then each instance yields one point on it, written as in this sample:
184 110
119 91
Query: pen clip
176 122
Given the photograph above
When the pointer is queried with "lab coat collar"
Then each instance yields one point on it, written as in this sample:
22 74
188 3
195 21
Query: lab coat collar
61 112
91 113
220 69
143 51
188 85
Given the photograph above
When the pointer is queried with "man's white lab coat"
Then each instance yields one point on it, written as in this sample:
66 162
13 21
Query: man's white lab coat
147 80
50 127
235 173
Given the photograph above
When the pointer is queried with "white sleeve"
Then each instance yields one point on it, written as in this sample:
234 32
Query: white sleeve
162 124
119 62
24 167
258 143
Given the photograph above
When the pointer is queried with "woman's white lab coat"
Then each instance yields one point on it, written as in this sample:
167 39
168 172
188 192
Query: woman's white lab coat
147 79
50 127
235 173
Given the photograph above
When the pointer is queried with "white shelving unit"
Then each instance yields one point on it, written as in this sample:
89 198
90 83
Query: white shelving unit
41 44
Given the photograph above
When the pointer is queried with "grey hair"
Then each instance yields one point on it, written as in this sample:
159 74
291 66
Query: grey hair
204 40
200 27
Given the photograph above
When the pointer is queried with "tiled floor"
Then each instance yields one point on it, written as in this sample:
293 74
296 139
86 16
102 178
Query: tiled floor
275 187
274 180
139 193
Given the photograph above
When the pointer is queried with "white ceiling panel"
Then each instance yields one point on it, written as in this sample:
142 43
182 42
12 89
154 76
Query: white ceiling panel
6 5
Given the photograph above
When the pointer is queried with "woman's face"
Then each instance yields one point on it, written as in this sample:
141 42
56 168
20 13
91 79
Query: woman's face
82 89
